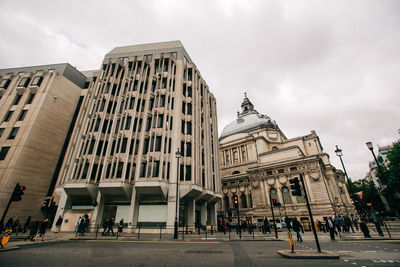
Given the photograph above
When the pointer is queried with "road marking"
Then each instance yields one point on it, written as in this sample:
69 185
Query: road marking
370 251
354 263
161 242
346 260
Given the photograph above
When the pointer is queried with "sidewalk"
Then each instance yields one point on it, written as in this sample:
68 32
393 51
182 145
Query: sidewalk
51 237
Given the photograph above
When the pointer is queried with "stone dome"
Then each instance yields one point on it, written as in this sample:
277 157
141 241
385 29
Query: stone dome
248 120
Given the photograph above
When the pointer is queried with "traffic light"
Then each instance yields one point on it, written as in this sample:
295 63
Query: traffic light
18 192
276 203
295 186
236 201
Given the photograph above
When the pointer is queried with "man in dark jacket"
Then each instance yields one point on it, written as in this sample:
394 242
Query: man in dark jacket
297 228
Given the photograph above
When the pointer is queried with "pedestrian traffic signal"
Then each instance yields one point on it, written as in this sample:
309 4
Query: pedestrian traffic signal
295 186
236 201
18 192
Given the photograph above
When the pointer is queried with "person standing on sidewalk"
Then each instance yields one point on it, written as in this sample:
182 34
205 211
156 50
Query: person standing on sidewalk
297 228
58 224
120 227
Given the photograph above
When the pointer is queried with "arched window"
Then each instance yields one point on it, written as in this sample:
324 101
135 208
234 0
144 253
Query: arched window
286 195
235 172
274 148
243 200
250 201
226 202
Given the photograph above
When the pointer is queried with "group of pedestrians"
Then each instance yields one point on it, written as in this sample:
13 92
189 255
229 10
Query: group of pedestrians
82 225
37 228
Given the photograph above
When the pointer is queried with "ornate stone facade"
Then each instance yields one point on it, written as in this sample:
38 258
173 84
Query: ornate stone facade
257 161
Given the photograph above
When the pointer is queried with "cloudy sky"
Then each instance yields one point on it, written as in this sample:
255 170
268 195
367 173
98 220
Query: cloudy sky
328 66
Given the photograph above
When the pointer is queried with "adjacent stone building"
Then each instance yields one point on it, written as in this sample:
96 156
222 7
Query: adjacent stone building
37 105
144 104
257 161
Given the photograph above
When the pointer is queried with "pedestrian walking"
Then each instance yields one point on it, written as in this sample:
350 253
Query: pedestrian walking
297 228
9 223
105 226
33 228
42 228
330 225
110 227
58 224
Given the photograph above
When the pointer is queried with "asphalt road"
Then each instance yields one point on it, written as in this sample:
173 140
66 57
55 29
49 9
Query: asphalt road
212 253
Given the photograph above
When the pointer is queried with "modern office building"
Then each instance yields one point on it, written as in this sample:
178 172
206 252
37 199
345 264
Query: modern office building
257 161
145 104
37 105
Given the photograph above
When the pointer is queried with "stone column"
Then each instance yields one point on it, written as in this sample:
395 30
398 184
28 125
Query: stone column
213 215
64 201
98 210
172 206
203 213
191 213
133 210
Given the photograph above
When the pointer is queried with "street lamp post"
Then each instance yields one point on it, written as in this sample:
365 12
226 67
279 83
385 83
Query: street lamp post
177 155
363 225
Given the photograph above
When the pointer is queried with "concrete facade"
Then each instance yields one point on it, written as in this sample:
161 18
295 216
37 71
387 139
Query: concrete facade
257 161
36 108
144 104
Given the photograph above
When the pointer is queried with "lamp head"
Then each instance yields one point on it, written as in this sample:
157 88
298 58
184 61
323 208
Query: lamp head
338 152
369 145
178 154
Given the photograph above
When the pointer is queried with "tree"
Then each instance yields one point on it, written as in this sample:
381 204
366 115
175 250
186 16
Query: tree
393 168
370 195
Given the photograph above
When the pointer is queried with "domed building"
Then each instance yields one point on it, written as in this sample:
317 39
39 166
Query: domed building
256 162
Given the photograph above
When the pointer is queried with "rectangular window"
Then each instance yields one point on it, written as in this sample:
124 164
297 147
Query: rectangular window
108 170
13 133
145 146
37 81
189 127
162 100
188 149
105 148
188 176
119 170
156 168
97 125
143 169
99 146
1 131
3 152
189 108
183 127
128 123
8 115
92 142
99 172
160 121
158 143
17 99
128 170
124 143
5 83
24 82
94 170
